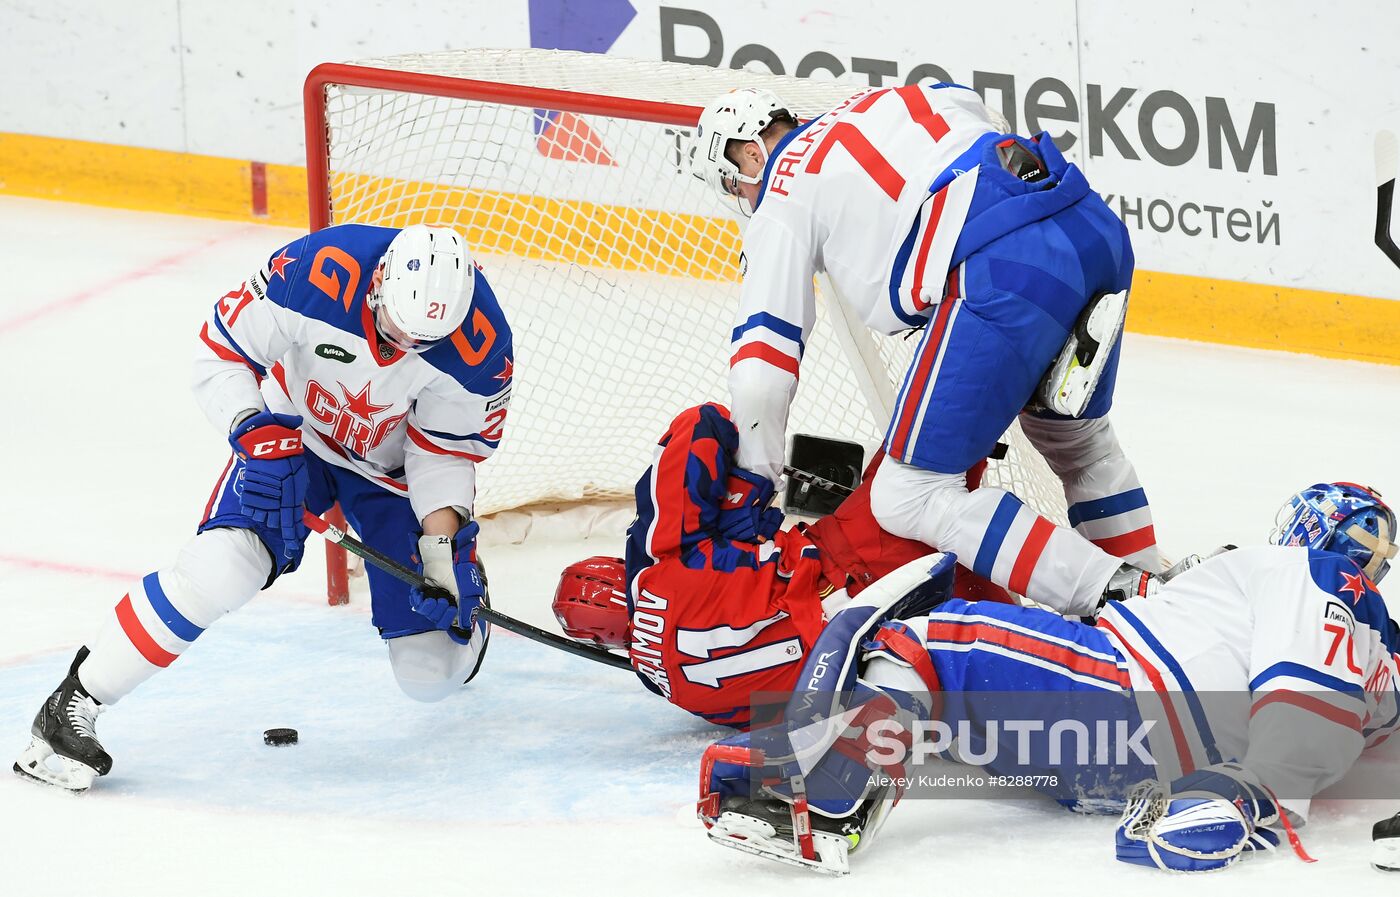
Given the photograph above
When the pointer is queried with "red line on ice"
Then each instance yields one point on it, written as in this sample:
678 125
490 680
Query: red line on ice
148 269
64 567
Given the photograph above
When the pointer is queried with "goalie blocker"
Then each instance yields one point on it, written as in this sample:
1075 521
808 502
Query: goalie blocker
822 472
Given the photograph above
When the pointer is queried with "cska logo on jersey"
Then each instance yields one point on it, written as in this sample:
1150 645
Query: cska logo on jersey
350 417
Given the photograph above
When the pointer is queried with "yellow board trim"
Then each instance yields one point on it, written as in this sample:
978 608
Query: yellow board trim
127 177
1315 322
1259 316
657 242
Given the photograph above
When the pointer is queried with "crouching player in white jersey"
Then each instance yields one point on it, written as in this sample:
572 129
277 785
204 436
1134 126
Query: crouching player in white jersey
1296 636
925 215
368 366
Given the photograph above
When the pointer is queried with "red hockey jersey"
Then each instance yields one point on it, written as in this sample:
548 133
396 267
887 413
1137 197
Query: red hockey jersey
715 622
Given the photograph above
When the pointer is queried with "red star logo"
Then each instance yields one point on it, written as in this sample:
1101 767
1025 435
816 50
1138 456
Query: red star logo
506 373
278 266
1354 584
359 404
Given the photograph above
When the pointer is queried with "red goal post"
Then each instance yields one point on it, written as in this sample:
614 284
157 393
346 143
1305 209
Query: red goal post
618 270
318 166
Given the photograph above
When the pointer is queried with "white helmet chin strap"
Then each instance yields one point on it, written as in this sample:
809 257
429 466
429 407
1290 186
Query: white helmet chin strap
763 155
745 207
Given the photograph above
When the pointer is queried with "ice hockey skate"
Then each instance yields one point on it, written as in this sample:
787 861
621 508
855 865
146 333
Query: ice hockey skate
1076 372
770 828
64 750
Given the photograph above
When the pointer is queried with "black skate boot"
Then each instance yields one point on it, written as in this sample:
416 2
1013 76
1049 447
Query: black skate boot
64 730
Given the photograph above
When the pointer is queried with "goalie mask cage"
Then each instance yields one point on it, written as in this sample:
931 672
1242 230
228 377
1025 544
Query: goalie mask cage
617 269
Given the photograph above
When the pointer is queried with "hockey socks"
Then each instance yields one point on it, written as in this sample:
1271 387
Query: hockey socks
161 616
993 533
1106 501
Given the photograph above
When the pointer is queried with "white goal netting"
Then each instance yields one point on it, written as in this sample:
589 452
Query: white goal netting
617 269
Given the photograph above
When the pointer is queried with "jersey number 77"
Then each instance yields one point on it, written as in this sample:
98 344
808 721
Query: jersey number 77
847 134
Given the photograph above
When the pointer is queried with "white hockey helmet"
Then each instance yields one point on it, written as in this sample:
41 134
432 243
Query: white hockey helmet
423 287
741 114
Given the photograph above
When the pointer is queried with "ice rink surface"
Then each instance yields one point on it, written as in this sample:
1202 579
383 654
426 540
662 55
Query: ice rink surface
549 775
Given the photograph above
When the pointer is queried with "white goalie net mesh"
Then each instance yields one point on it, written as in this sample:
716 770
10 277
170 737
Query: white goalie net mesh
617 270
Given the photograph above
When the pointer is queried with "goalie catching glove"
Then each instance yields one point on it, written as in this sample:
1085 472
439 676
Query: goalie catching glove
1211 818
450 562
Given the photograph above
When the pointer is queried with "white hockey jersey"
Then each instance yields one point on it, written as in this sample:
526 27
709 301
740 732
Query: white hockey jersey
841 195
1283 659
298 336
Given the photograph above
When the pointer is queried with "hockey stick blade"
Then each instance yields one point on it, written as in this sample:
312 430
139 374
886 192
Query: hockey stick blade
339 537
822 483
1387 161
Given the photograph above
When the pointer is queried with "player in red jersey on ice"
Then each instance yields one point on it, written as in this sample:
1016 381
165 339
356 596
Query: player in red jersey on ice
714 602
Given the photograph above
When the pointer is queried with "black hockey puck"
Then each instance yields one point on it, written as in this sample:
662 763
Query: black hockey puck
1385 844
277 737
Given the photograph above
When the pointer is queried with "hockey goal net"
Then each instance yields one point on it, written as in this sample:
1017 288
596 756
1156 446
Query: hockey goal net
617 269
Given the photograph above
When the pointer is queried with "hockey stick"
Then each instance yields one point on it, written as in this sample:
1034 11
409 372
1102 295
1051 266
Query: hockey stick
822 483
338 536
1387 159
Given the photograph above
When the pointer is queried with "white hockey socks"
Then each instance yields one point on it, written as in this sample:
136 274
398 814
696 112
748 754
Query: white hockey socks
216 572
1107 504
994 534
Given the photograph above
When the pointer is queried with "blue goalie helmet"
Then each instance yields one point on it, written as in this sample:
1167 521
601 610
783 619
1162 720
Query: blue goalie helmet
1347 518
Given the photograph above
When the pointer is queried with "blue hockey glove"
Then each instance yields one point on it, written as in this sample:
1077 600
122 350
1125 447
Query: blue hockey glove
272 485
451 563
744 515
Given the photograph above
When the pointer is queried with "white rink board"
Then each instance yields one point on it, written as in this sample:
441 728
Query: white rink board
1319 79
